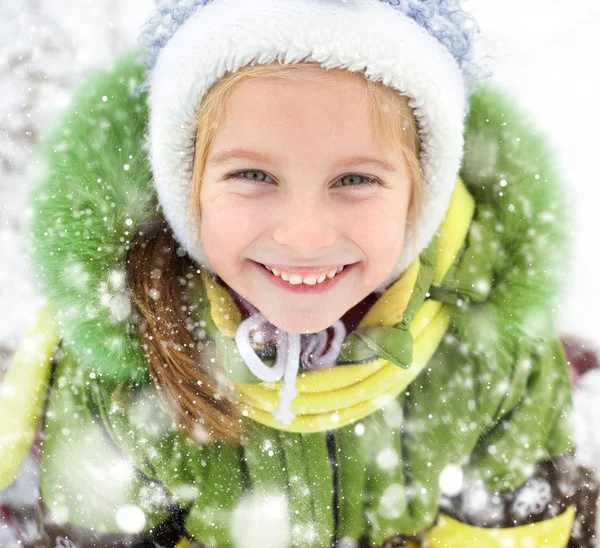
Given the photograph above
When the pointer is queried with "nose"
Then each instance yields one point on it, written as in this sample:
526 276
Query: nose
305 225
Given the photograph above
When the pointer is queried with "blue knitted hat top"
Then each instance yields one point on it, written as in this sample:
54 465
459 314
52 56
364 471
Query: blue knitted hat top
424 49
445 20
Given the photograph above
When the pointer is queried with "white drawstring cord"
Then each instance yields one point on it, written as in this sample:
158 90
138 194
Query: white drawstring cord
287 361
288 392
254 363
318 360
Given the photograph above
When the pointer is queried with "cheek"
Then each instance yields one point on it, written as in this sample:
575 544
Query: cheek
228 224
378 228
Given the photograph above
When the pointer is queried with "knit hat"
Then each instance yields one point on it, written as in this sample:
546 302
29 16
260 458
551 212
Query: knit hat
421 48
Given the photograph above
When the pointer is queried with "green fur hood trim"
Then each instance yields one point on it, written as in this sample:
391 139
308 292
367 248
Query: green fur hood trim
96 195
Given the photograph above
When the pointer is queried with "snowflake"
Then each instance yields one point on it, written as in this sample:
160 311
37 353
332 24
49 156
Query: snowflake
532 498
388 458
76 276
154 498
115 299
249 527
393 501
451 480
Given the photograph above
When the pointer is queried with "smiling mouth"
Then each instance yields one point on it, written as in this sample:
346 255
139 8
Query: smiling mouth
310 279
323 279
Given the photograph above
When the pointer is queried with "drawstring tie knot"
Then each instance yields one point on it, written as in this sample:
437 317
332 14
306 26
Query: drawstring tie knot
293 349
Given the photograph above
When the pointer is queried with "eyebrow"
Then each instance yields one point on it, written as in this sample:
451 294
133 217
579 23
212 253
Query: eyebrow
225 156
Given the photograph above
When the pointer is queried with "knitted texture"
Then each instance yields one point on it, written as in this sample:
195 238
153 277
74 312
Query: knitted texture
445 20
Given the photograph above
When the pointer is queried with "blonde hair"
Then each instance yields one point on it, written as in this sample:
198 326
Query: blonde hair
191 396
396 128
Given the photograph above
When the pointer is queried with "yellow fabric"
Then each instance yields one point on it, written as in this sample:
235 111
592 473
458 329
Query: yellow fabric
22 393
183 543
388 312
551 533
318 411
453 229
223 309
337 396
366 396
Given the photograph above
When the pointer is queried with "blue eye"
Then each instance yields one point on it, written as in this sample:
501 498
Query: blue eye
238 175
367 181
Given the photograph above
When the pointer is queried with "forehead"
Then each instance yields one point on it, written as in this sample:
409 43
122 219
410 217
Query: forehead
338 90
320 111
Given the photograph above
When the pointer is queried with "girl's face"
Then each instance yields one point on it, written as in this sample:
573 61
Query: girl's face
295 180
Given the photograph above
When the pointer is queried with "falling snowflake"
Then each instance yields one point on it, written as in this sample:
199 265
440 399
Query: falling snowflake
388 458
112 296
393 501
130 518
451 480
532 498
249 527
154 497
76 276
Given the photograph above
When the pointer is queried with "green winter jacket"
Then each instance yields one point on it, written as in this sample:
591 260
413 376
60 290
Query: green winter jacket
491 406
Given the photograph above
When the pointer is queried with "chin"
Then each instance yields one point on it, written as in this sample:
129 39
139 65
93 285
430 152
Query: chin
302 326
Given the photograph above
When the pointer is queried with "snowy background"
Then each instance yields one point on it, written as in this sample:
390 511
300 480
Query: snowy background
540 50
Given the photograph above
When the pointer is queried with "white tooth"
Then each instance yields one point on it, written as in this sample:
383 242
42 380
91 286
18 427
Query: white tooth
294 279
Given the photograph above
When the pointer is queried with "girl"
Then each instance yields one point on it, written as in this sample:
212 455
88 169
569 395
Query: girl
307 302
